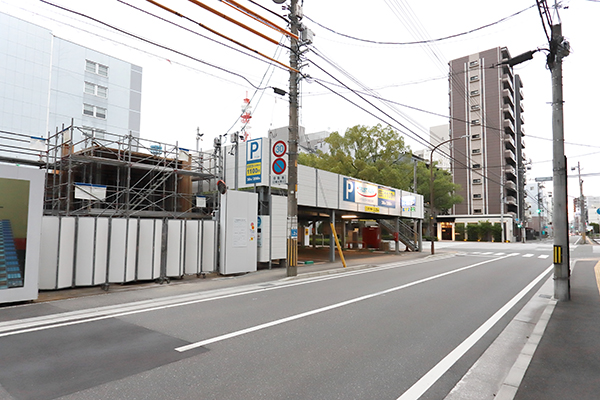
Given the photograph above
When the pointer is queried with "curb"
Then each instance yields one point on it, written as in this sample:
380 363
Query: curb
501 368
508 389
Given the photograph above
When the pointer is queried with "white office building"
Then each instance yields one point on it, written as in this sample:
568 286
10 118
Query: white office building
47 82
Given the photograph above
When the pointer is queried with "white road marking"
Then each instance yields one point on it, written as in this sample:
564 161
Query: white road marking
528 255
487 253
35 324
499 254
427 380
544 256
326 308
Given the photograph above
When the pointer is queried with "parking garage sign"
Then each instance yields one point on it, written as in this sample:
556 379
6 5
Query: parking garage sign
254 160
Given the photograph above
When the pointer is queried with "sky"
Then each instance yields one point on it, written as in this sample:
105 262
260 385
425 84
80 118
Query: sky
191 82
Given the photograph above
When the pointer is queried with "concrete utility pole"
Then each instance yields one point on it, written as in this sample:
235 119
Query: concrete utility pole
292 223
559 48
582 210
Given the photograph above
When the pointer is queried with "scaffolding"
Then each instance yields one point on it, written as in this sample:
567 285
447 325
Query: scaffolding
94 173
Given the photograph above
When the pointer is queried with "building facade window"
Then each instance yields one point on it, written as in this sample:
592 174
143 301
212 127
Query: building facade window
96 90
96 68
475 136
477 196
476 181
476 166
477 211
475 122
476 151
474 78
475 107
93 132
94 111
474 92
473 64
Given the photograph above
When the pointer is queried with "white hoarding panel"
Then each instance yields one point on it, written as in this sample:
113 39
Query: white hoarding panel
175 248
192 247
238 232
279 228
101 251
48 253
149 244
65 251
208 246
118 235
84 262
132 238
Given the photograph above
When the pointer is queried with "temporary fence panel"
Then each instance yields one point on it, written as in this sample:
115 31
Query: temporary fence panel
238 232
49 253
193 247
150 241
84 259
77 251
101 250
209 248
279 228
131 250
175 242
66 251
118 236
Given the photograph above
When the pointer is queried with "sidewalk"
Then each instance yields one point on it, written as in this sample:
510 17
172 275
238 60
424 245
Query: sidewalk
566 364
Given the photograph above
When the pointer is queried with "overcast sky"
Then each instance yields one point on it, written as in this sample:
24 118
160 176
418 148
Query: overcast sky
181 94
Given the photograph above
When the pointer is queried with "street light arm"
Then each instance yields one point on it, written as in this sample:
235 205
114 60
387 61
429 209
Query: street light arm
431 195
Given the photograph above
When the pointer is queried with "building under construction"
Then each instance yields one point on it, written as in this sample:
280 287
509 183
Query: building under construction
125 176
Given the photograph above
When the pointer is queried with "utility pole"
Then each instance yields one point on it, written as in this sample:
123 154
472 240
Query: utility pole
559 48
292 222
582 208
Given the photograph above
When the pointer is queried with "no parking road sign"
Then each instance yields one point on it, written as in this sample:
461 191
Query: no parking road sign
279 164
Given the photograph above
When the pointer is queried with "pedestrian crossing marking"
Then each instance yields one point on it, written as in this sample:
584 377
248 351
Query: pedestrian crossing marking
489 253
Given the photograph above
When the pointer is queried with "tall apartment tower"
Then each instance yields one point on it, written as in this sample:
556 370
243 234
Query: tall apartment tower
486 104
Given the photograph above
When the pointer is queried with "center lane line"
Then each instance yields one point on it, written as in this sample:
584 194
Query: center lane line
327 308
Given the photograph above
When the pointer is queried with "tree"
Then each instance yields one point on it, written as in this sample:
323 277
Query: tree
444 190
371 154
378 154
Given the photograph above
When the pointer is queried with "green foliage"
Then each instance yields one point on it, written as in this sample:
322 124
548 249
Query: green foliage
378 154
497 232
596 227
459 231
473 232
484 231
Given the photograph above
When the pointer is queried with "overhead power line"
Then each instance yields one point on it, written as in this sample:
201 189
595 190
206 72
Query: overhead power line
155 44
220 34
418 41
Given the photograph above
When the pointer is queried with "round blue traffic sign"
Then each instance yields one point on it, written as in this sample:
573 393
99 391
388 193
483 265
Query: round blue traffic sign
279 166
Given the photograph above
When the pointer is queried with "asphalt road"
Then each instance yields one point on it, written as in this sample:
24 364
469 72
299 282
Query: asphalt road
405 330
